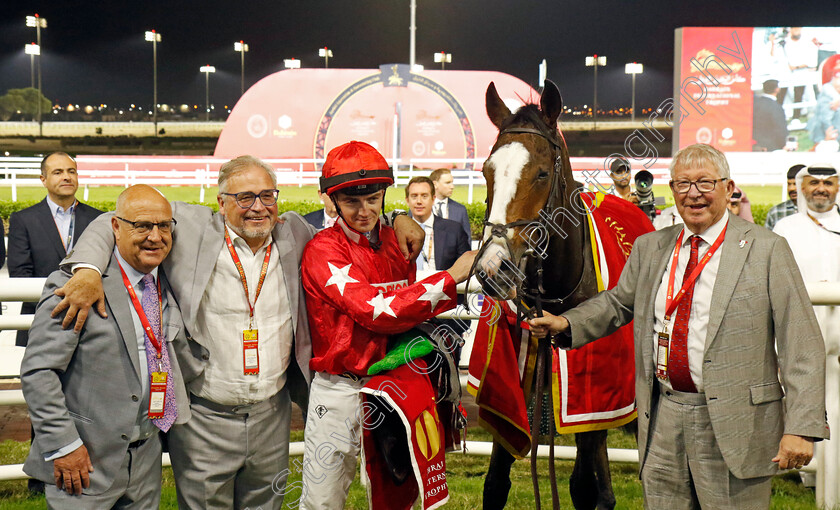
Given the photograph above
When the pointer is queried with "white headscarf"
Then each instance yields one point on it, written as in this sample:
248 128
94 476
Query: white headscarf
801 201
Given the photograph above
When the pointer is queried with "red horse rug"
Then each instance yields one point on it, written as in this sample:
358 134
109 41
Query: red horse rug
592 387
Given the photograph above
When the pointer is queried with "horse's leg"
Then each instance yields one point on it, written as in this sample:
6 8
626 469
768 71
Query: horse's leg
497 481
590 485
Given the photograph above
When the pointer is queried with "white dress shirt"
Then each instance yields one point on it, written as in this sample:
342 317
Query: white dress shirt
701 302
426 260
64 222
223 315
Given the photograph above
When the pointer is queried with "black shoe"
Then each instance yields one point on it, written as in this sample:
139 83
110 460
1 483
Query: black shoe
35 486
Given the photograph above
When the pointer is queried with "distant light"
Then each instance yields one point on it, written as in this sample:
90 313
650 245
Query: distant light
595 60
240 46
32 49
207 69
325 52
633 68
36 21
291 63
71 108
88 109
121 112
444 57
152 36
184 108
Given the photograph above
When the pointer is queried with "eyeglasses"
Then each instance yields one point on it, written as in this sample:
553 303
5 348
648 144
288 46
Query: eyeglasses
145 227
246 199
703 185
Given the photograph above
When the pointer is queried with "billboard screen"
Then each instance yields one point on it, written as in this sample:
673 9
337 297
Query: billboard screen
757 88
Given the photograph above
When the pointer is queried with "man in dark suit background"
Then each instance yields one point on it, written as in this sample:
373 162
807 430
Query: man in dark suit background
324 218
445 239
769 125
445 242
41 235
444 206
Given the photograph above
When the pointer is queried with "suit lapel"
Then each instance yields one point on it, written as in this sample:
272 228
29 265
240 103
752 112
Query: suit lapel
46 221
732 258
119 304
284 243
440 241
208 253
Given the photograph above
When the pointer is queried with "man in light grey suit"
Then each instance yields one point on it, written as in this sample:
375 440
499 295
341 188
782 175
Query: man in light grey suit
89 394
729 372
236 277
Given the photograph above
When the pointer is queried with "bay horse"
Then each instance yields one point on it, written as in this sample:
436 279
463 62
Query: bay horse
529 181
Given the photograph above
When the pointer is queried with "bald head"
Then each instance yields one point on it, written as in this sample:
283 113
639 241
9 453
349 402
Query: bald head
143 227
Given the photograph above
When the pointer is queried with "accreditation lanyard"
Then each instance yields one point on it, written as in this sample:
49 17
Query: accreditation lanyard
250 336
672 301
68 243
157 380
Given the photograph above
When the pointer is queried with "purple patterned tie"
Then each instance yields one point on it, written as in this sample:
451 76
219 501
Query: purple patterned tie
151 307
678 369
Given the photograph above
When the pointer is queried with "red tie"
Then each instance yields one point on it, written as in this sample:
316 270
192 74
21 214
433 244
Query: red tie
678 371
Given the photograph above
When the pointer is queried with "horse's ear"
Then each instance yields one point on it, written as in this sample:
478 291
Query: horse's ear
551 104
496 108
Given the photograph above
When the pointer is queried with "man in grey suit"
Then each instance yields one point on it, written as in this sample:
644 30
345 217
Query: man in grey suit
236 277
91 398
729 366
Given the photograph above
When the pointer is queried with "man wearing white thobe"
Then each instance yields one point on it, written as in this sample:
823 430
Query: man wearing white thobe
814 236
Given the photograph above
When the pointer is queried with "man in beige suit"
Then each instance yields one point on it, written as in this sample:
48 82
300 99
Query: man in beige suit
729 361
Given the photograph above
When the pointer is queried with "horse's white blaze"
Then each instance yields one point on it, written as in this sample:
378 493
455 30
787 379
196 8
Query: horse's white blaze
507 162
491 259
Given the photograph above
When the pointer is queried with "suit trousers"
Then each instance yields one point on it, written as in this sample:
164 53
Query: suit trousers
136 486
232 457
684 468
332 440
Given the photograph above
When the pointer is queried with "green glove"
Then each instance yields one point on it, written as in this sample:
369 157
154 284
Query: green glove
410 346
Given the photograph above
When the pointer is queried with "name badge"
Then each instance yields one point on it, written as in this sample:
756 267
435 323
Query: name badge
157 394
250 351
662 356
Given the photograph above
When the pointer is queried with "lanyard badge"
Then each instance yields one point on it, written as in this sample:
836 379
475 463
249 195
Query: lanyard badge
672 301
250 336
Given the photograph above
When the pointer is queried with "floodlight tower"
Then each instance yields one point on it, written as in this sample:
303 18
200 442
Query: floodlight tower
595 61
242 48
154 38
633 69
325 53
38 23
207 70
443 58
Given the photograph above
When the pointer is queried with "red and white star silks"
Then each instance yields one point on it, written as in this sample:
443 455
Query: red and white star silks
356 296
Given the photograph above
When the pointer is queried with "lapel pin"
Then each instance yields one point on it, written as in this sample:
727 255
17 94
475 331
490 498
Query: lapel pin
742 243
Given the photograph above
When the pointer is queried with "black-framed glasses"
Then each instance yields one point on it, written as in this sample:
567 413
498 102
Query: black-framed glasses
246 199
145 227
703 185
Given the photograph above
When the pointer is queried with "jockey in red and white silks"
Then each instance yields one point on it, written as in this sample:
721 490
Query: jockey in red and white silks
359 289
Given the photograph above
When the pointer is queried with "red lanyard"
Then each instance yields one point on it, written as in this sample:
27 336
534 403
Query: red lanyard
672 301
140 313
239 268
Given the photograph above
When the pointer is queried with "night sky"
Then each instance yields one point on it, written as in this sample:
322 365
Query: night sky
94 52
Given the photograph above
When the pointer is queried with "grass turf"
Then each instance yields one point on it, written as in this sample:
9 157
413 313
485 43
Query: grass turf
465 476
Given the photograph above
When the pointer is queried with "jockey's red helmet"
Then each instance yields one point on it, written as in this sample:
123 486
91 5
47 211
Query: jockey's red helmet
357 168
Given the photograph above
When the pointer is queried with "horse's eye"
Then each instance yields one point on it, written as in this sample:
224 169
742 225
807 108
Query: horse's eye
543 174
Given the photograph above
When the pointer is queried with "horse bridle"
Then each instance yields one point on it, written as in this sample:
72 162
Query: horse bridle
498 230
556 194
